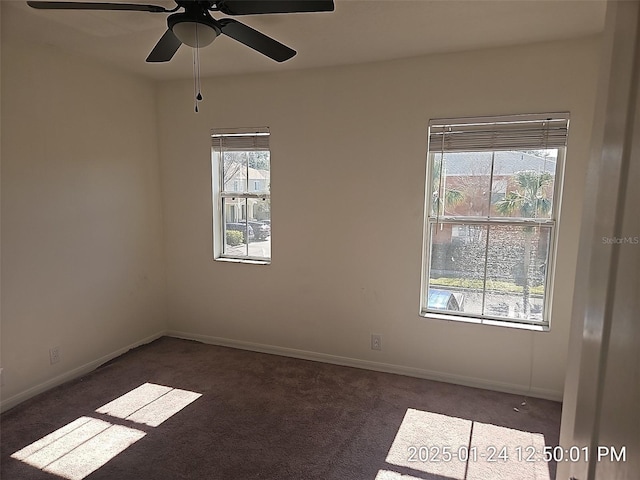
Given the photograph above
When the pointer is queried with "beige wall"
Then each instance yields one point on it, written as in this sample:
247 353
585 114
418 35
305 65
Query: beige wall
83 262
82 248
348 167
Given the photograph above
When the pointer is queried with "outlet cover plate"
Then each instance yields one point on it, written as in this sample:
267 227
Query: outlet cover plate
54 355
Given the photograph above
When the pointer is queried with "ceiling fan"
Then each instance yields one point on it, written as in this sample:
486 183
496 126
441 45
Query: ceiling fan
197 28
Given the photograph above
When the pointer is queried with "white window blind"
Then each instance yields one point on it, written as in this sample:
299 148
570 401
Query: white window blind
503 133
230 139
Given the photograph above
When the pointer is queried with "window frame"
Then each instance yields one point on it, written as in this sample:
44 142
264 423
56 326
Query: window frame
218 194
431 221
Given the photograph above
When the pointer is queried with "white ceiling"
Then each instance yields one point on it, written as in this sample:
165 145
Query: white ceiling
357 31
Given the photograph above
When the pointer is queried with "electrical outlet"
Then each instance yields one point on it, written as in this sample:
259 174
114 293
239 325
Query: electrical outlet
54 355
376 342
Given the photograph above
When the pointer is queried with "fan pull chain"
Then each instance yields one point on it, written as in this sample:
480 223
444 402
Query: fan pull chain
199 96
196 73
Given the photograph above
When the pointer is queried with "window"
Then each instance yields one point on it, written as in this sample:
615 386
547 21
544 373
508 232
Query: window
241 179
491 209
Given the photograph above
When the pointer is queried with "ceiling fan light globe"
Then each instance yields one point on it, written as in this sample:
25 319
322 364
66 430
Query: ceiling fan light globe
195 34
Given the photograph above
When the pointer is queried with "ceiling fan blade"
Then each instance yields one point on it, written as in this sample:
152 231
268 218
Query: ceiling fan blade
165 49
97 6
256 40
257 7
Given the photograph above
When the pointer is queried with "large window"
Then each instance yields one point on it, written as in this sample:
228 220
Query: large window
241 178
491 208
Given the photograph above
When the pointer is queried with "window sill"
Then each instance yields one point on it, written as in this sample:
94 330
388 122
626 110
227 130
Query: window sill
249 261
486 321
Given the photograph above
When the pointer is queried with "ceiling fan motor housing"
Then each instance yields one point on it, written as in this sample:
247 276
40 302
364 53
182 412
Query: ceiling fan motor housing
194 29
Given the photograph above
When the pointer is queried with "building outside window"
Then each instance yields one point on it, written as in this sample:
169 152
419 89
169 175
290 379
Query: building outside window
491 210
241 186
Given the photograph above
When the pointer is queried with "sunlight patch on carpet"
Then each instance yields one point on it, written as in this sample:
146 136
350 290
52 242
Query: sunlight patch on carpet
149 404
419 441
389 475
132 401
523 461
460 449
79 448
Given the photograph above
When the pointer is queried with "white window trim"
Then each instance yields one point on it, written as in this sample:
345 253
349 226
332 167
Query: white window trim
536 325
217 195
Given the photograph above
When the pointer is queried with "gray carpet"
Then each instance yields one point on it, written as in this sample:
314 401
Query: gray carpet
221 413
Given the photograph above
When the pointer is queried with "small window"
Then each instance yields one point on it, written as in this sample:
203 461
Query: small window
241 179
491 209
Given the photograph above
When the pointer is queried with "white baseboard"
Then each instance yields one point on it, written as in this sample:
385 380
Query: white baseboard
72 374
286 352
376 366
